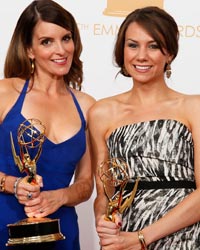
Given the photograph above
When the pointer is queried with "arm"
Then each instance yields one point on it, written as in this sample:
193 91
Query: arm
7 183
184 214
19 187
9 92
82 187
99 120
97 131
79 191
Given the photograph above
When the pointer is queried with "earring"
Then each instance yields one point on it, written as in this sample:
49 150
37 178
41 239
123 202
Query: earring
32 66
124 71
168 71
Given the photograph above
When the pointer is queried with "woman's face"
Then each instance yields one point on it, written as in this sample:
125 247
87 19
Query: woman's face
52 49
143 59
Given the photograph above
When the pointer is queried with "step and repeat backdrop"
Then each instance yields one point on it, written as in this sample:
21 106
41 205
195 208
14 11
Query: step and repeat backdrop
98 22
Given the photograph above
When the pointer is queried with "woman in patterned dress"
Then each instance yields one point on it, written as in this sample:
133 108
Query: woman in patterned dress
156 131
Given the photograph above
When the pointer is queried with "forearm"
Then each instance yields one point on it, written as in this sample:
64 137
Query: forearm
78 192
183 215
100 207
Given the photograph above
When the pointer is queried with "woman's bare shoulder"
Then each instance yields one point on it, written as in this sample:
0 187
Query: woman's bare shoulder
11 84
85 100
5 84
190 101
189 106
9 91
107 107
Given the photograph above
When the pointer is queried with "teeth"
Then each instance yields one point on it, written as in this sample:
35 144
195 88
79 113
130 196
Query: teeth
60 60
142 67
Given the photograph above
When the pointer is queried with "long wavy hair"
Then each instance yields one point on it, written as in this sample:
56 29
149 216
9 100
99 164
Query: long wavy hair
17 62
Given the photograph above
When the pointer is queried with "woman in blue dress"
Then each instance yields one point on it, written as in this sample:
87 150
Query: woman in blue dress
43 76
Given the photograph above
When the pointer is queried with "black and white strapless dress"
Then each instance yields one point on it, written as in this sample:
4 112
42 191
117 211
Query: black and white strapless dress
160 152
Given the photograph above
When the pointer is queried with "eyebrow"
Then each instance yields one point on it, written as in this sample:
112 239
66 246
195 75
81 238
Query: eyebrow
132 40
50 37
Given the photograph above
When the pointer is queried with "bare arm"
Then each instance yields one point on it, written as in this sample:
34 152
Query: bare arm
98 128
80 189
9 91
184 214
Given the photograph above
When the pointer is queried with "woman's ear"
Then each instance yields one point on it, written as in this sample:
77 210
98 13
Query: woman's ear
170 59
30 53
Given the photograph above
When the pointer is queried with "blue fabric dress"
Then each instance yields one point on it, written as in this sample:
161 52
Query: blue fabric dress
56 165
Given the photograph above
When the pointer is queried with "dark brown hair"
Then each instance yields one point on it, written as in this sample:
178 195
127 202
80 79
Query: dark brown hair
158 23
17 63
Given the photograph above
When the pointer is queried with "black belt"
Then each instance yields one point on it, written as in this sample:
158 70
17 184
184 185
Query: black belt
161 184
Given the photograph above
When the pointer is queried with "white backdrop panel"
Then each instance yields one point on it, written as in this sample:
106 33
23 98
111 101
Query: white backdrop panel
98 32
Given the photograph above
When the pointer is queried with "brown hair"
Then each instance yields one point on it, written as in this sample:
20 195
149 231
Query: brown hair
17 63
158 23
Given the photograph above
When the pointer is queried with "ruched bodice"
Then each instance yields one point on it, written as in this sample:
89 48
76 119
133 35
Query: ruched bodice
157 150
142 146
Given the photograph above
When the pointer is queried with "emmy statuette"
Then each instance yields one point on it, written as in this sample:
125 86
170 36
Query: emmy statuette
114 175
30 136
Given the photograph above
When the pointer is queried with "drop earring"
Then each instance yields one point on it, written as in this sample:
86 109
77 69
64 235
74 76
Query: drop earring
32 66
168 71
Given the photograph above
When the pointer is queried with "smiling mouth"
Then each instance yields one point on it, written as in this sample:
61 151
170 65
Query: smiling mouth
142 67
63 60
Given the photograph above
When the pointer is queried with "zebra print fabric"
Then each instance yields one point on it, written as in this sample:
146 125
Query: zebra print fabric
154 151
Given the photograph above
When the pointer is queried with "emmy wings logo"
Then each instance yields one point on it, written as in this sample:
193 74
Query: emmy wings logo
123 8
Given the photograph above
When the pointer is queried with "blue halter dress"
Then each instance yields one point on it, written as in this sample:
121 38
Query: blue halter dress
56 165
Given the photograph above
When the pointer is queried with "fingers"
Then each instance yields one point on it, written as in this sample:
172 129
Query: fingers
25 191
23 184
39 213
36 211
35 207
107 228
39 180
33 202
42 206
118 219
29 196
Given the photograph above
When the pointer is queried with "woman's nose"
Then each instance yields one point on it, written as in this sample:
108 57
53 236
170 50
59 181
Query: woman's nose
59 48
142 53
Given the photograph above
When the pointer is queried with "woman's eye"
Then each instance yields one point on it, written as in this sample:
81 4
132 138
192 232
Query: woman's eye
153 46
132 45
46 42
67 38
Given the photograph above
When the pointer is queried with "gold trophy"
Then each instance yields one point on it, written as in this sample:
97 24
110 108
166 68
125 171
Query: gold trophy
114 174
30 136
123 8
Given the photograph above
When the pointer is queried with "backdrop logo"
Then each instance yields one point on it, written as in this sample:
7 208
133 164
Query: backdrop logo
123 8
